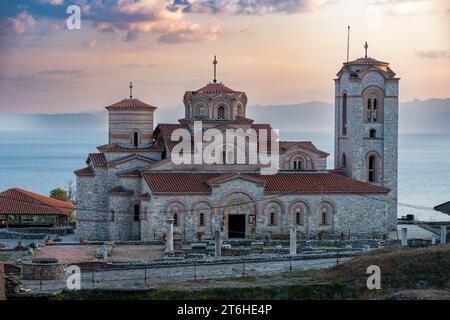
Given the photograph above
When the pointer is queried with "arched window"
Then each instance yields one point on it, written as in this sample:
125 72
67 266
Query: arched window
344 161
200 111
344 114
201 219
239 112
297 164
372 174
221 113
136 139
112 215
324 218
373 133
136 212
273 218
176 221
299 217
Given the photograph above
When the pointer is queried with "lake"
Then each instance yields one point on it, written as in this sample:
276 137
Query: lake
41 161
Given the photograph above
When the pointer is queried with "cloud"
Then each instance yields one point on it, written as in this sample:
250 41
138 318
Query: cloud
246 6
432 54
56 74
17 24
170 21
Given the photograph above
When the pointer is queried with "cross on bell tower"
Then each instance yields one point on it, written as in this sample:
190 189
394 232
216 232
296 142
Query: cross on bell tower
131 90
215 69
365 47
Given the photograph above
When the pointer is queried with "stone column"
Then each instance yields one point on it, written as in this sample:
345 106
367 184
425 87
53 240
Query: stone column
404 237
443 234
2 283
293 241
169 243
218 244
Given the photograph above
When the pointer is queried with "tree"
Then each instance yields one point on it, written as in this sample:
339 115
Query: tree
59 194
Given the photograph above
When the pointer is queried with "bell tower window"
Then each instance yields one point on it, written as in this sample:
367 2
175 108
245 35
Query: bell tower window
344 114
372 169
372 133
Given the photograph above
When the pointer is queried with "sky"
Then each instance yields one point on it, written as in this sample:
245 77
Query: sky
277 51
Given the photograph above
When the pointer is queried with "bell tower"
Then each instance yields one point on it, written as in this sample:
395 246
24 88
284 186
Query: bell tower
366 126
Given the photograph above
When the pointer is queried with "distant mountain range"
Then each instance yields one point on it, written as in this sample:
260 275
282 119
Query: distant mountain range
420 116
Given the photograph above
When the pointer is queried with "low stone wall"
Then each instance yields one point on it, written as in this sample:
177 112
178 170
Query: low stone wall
44 271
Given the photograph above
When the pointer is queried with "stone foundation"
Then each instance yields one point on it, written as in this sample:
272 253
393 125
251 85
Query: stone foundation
44 270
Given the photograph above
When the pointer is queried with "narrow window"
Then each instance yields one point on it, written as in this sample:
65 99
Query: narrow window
298 217
344 161
373 133
201 220
372 169
369 110
135 139
344 114
112 215
221 113
175 219
273 218
298 165
324 218
136 213
374 110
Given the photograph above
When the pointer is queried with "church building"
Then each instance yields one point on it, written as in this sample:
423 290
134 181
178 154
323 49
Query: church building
132 186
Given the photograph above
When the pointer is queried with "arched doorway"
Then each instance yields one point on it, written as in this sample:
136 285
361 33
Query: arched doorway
237 211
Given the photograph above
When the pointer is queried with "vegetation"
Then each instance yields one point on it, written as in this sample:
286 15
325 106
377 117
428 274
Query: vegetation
401 271
59 194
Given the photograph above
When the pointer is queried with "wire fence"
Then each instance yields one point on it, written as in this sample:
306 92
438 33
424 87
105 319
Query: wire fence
145 276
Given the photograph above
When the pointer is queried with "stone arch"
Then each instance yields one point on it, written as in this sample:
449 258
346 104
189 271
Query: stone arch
373 104
200 110
226 111
305 207
274 212
136 137
204 206
329 208
177 210
307 162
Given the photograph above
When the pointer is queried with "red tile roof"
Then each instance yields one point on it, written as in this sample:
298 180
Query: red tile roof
97 159
121 190
284 145
130 104
215 88
366 61
88 172
161 182
22 202
115 147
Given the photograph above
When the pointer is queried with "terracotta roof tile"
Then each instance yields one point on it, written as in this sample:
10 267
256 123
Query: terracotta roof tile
85 172
284 145
132 104
215 88
23 202
282 182
120 190
366 61
97 159
115 147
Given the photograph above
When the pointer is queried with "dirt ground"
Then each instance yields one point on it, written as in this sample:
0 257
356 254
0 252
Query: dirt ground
67 253
136 252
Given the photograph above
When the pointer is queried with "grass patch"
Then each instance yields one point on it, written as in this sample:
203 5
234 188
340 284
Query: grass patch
4 257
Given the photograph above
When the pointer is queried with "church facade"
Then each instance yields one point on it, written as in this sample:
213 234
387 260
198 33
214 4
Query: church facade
132 185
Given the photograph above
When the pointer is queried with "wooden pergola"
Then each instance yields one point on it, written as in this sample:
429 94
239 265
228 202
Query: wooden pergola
22 207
